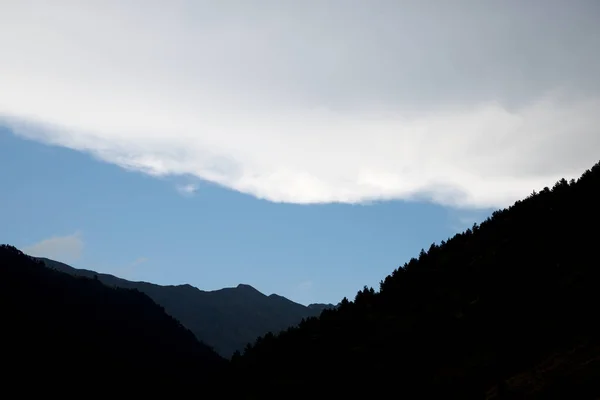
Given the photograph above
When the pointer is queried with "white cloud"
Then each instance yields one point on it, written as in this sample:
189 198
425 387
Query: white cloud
60 248
312 103
188 189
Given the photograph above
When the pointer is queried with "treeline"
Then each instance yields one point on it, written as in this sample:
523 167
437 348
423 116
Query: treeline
460 319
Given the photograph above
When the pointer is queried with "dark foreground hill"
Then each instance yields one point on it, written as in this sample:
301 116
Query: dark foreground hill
507 309
60 331
226 319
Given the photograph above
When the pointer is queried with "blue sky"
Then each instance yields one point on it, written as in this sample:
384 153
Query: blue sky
143 228
306 149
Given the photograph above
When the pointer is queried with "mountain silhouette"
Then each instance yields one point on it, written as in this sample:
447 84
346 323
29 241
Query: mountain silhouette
506 309
226 319
61 332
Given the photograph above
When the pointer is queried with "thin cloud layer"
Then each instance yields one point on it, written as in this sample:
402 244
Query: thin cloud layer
60 248
314 102
188 189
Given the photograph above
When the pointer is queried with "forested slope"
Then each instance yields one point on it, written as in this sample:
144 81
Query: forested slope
466 317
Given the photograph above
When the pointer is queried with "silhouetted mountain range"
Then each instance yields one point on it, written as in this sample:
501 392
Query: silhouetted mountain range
64 332
505 310
226 319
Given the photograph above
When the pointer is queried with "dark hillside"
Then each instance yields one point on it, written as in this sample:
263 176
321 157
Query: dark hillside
71 331
462 319
226 319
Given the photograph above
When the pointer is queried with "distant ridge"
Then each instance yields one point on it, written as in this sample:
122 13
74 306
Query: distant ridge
227 319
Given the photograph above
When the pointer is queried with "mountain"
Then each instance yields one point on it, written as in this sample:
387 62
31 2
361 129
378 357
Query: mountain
63 332
506 309
227 319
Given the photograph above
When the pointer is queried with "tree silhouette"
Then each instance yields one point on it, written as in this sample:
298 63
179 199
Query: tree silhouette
468 313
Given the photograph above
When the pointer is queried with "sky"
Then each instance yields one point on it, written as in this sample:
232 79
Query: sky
305 148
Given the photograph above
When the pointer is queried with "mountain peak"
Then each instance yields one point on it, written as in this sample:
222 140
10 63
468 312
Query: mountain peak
261 313
244 286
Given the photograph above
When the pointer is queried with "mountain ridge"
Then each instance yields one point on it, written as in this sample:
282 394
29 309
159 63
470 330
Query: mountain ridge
506 309
227 319
57 326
